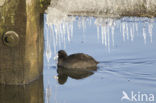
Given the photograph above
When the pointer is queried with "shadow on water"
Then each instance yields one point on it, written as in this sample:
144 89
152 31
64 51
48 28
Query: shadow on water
31 93
64 73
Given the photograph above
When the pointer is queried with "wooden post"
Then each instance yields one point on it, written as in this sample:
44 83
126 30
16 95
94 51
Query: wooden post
21 41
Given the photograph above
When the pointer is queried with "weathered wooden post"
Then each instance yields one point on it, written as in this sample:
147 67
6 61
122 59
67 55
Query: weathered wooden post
21 40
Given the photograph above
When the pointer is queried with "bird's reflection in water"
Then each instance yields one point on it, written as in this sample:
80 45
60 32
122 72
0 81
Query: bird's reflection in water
64 73
31 93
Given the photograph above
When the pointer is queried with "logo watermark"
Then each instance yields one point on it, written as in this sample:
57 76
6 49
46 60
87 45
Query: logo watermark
137 97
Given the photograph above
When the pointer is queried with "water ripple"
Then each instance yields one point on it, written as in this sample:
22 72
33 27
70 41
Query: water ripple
138 69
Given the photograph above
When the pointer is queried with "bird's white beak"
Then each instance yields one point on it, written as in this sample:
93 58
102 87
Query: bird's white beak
56 57
56 77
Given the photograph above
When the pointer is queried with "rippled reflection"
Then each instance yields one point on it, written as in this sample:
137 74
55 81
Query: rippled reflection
64 73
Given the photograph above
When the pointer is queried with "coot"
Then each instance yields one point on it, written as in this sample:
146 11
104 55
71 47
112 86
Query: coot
76 61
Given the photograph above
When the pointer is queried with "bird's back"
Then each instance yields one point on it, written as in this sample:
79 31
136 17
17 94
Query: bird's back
79 60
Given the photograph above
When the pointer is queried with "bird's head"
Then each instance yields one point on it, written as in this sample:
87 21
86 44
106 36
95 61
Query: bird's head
62 54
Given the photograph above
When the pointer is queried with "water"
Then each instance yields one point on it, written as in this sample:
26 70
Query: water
124 47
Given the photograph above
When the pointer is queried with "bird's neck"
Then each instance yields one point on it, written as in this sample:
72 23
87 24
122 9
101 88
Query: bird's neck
60 60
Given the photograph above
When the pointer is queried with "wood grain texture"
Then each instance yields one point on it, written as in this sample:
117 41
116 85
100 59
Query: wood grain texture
24 62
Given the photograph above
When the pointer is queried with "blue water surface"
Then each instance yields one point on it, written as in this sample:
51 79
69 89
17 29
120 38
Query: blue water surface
127 65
